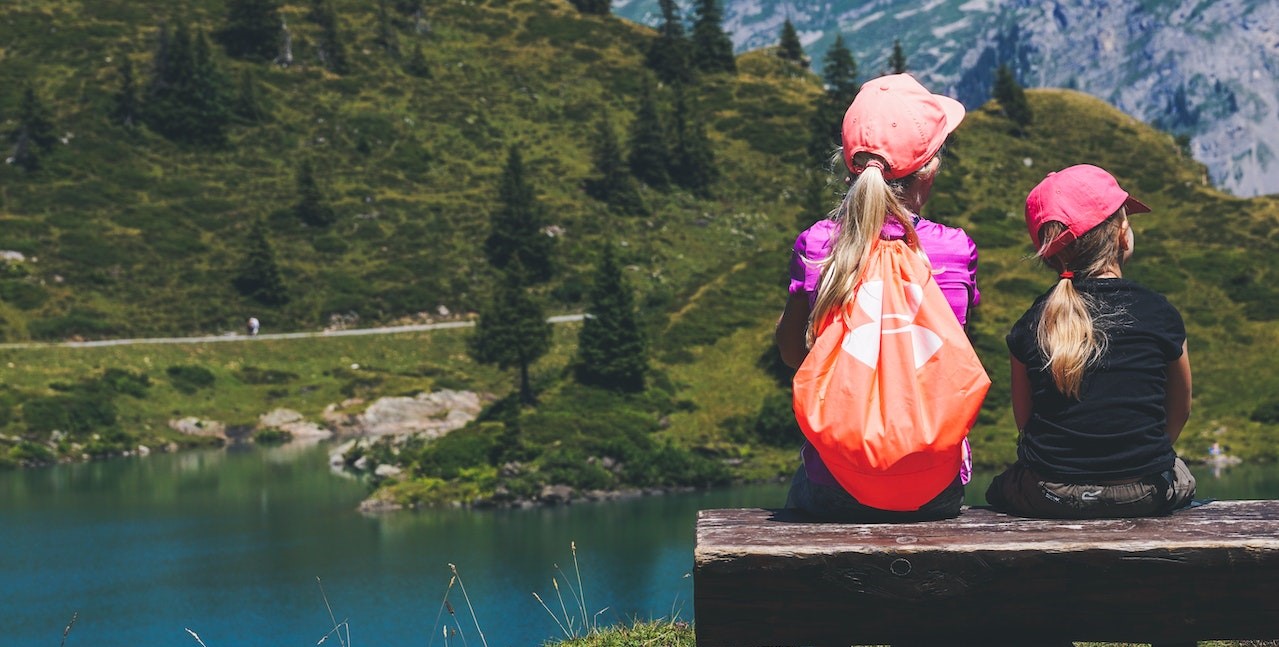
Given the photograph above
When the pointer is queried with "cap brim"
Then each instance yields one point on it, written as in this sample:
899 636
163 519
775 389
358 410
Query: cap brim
1133 205
954 111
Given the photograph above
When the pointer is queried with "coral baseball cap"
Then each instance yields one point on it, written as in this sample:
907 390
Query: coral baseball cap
1079 197
899 120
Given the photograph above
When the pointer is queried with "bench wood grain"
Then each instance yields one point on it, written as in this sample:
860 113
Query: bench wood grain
770 577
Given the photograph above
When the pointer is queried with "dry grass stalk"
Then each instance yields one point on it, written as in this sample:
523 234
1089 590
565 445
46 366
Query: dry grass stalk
196 636
336 625
461 585
74 615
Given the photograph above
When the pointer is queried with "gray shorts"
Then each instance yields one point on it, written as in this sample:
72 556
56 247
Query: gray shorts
834 503
1023 492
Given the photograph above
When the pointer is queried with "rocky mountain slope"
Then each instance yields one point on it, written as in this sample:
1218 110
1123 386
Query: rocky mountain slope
1207 70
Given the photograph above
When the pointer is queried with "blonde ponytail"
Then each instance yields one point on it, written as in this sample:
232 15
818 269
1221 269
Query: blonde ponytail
1068 338
1071 334
862 214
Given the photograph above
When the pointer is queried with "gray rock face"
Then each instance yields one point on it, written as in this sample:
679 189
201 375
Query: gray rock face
429 414
1208 70
193 426
293 422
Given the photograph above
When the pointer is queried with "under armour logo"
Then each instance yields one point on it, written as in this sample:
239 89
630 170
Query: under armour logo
862 342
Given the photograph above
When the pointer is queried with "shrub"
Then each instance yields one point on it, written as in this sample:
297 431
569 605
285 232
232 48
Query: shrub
272 436
255 375
125 382
1266 413
775 424
78 413
189 378
29 453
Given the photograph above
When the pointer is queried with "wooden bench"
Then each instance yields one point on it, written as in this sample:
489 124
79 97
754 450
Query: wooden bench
771 577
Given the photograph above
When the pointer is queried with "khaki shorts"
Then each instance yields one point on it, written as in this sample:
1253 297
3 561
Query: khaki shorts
1021 491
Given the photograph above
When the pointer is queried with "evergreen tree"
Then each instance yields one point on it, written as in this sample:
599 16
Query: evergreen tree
252 29
312 208
596 7
668 55
839 75
259 277
386 37
34 133
712 50
649 154
331 49
612 183
127 109
692 161
516 237
512 331
416 64
897 61
789 48
1011 97
248 102
611 349
187 96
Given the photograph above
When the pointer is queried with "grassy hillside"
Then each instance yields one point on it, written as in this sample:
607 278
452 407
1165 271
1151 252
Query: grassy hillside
126 233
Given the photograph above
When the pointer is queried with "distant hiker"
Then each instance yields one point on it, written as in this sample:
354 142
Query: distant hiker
892 138
253 325
1100 373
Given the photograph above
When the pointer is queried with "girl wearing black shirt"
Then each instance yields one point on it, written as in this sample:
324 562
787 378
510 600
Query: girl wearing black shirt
1100 374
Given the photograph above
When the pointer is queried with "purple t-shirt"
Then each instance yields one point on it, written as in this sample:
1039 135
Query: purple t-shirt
954 259
950 250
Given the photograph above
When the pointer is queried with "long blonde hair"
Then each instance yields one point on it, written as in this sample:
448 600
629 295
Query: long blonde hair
1071 334
867 205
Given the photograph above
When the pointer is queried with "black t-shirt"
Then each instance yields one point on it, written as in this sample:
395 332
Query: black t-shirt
1116 429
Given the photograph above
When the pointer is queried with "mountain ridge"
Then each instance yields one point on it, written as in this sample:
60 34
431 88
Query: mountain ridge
1208 71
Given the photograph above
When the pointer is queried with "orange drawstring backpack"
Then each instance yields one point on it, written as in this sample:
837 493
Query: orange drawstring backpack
891 386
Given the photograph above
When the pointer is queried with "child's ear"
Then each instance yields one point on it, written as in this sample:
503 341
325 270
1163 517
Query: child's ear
1123 235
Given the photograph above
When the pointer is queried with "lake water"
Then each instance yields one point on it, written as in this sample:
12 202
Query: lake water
229 544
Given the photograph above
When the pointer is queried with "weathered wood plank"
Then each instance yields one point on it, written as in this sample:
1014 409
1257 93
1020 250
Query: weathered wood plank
768 578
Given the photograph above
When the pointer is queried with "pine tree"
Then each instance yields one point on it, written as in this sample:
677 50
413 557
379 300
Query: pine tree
596 7
649 154
692 161
127 109
332 51
789 48
386 36
312 208
1011 97
611 349
187 96
34 133
897 61
259 277
668 54
516 237
839 75
512 331
712 49
248 102
612 183
416 64
252 29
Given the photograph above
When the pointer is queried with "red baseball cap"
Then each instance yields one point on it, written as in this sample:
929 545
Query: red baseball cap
1079 197
899 120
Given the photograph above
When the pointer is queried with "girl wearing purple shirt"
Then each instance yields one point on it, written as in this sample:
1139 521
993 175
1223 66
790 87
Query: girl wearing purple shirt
892 138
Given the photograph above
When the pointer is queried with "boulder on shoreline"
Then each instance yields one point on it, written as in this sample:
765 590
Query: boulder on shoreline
430 414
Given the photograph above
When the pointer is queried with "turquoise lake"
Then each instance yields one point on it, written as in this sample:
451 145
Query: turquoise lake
230 545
